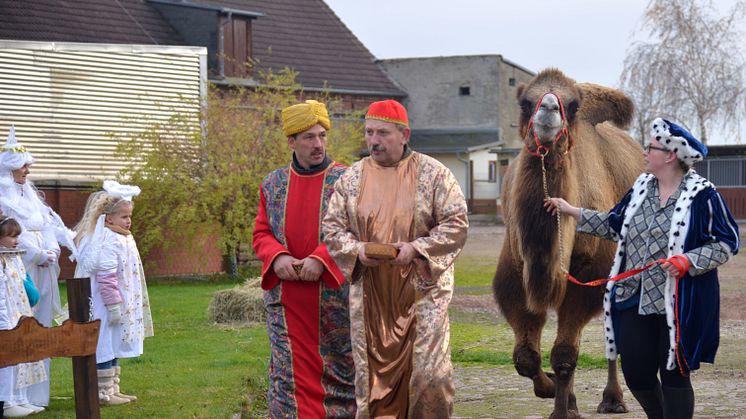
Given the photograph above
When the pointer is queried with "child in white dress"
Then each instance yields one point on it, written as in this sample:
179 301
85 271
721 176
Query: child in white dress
14 303
107 253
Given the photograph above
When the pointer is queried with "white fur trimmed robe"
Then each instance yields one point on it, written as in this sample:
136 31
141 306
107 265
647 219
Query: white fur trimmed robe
700 217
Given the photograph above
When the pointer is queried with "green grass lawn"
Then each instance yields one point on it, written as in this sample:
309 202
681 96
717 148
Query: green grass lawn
190 368
478 338
473 275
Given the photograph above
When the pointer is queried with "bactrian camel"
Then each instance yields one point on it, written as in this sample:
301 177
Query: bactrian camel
591 162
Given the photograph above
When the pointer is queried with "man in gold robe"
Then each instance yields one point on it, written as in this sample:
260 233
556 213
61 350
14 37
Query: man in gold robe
398 307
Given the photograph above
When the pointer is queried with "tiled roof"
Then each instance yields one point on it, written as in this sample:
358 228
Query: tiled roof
102 21
307 36
304 35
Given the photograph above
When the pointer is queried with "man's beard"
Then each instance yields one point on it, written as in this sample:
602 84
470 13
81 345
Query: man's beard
377 147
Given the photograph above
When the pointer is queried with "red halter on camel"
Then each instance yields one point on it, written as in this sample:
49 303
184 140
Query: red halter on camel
542 151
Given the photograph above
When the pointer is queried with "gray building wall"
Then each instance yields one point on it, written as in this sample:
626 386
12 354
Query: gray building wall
432 86
509 112
435 102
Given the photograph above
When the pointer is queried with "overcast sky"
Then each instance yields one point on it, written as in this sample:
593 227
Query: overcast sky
587 39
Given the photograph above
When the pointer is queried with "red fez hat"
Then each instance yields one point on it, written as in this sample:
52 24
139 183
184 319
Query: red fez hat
388 111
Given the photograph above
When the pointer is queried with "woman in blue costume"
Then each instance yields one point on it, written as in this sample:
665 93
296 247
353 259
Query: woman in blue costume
664 320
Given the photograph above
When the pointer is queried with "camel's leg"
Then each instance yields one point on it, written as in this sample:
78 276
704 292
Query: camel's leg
527 352
613 399
592 299
527 326
572 316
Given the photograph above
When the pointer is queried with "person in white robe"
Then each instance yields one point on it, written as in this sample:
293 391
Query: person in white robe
108 255
14 304
20 200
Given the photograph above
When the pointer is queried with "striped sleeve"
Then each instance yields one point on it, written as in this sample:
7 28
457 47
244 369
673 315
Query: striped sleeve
722 227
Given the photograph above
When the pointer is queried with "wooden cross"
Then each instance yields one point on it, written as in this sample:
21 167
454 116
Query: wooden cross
77 338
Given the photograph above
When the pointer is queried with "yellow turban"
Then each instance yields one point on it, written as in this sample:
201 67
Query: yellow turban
298 118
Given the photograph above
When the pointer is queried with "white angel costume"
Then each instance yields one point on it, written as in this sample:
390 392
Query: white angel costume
39 240
15 380
110 258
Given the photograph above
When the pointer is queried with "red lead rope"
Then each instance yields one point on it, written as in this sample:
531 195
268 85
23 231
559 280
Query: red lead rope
680 261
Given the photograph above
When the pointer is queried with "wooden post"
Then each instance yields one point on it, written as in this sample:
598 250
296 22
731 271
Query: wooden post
84 367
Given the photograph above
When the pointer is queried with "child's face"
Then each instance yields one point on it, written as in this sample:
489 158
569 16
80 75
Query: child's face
9 241
121 218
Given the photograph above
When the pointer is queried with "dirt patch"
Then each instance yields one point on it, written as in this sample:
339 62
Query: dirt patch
499 392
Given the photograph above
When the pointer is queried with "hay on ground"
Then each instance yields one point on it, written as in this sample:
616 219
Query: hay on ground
241 305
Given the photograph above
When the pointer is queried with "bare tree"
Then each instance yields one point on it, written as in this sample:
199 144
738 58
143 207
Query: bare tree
691 69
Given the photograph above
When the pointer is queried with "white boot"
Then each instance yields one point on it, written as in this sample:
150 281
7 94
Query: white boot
117 374
16 411
106 395
33 407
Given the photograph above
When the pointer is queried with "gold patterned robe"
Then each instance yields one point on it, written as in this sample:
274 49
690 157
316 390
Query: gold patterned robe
399 314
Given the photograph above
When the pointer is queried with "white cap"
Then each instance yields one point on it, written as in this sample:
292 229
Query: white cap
13 155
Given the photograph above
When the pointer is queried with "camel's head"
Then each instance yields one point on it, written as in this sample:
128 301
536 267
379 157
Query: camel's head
549 103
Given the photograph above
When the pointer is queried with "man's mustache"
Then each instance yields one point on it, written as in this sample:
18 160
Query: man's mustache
377 147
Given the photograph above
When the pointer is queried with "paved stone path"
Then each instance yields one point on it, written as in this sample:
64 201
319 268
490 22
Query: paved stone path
501 393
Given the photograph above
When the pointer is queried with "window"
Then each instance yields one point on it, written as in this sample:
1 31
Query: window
724 171
492 176
511 81
225 32
464 91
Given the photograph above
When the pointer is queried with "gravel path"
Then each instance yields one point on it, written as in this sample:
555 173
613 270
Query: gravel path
501 393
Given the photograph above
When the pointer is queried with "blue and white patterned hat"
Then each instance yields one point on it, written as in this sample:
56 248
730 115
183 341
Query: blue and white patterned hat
675 138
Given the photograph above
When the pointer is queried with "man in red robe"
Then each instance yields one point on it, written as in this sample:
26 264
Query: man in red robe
311 372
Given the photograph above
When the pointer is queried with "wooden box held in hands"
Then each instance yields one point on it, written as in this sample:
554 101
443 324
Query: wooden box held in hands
380 251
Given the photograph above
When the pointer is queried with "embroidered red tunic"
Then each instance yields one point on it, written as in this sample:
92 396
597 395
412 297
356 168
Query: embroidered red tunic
311 368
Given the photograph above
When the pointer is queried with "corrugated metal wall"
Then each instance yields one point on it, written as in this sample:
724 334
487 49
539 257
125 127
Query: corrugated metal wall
67 100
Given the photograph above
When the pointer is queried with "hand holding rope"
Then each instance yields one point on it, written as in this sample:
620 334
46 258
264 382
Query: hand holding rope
676 266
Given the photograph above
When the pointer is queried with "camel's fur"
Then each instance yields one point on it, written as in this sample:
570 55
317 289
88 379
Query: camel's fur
599 168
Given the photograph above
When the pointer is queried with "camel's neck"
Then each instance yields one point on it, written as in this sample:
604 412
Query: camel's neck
555 170
537 229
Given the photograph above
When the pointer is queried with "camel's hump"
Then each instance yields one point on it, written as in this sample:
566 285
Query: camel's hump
601 104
